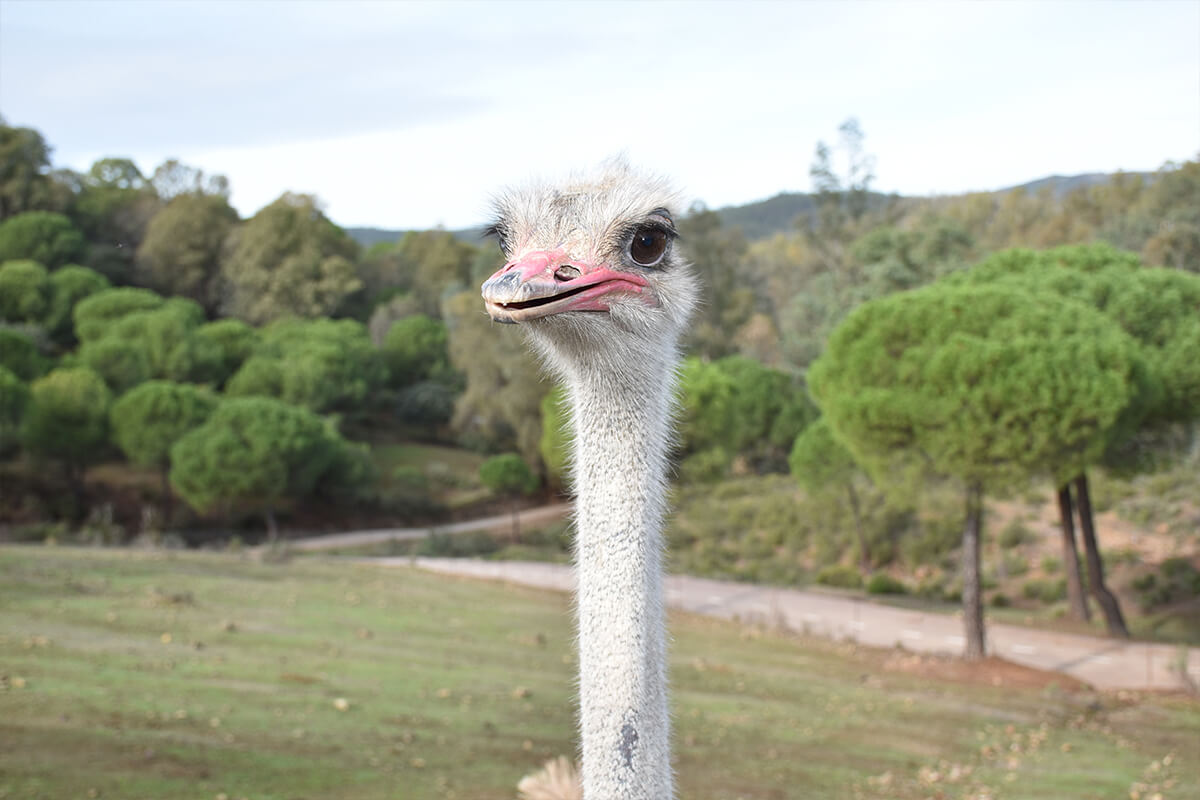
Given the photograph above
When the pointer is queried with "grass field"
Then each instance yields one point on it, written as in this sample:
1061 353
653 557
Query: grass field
129 674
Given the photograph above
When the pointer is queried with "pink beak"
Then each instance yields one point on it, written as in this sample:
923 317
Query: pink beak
545 282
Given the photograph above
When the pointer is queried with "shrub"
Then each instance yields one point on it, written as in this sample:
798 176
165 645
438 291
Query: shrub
882 583
705 467
841 576
1051 565
1015 534
19 355
1045 591
1014 564
1000 600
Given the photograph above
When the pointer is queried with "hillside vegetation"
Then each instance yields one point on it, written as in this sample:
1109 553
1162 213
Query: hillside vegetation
172 373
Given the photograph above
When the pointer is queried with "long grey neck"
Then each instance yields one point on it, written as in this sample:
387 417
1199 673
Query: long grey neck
621 423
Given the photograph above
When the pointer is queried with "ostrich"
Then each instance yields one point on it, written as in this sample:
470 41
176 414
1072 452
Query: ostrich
594 276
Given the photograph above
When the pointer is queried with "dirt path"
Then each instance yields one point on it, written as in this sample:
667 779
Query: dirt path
1103 663
335 541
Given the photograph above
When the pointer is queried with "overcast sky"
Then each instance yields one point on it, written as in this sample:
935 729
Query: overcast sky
406 114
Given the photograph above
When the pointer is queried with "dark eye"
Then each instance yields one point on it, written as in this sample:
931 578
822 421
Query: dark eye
648 246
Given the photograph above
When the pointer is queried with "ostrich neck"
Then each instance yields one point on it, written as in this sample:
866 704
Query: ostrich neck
621 421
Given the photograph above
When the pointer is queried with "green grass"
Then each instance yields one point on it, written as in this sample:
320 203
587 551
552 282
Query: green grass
182 675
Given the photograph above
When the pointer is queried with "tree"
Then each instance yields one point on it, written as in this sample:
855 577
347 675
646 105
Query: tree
121 363
501 405
1160 310
510 476
24 168
234 339
114 206
68 286
172 179
19 354
324 365
288 259
181 254
24 292
148 420
95 314
42 236
985 385
716 253
819 461
14 397
67 421
253 451
415 349
555 445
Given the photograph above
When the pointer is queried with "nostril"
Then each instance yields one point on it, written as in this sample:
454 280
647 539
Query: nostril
566 273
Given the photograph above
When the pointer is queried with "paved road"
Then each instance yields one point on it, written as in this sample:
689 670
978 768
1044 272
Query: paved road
334 541
1104 663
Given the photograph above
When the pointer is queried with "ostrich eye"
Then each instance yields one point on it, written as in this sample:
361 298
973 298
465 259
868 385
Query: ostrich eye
648 246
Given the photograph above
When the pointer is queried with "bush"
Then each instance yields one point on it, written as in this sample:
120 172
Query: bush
706 466
1177 580
1051 565
1014 564
882 583
1015 534
1045 591
459 545
841 576
1000 600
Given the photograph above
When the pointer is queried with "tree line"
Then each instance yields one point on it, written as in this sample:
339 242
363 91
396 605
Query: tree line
250 362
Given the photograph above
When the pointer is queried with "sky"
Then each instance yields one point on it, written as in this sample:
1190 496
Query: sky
412 114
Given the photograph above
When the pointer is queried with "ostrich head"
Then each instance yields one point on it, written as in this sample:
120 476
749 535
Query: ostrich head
592 265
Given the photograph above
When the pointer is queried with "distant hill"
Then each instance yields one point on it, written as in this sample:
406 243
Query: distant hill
779 214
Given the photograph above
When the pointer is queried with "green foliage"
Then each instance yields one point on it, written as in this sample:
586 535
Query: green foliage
19 354
705 466
988 383
555 444
415 349
1176 581
24 291
769 410
843 576
42 236
882 583
24 164
500 408
182 249
1015 534
122 364
1045 591
95 314
253 451
68 286
234 339
67 418
714 251
819 460
508 474
14 397
114 205
288 260
322 364
706 397
147 421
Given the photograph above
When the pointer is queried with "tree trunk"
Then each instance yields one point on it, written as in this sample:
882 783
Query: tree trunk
1066 514
972 596
1113 618
864 549
272 527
